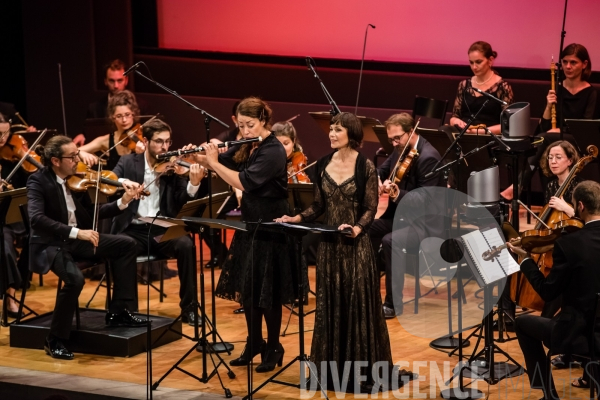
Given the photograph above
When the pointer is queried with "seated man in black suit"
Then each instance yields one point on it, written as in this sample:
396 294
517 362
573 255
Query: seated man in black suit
61 233
168 193
399 127
576 276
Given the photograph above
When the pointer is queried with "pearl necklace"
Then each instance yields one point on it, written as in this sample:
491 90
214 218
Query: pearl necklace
484 82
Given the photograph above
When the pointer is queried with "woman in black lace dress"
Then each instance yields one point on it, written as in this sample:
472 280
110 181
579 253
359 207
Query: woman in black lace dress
260 271
349 322
468 101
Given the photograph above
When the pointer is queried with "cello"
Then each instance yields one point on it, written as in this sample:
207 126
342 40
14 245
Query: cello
521 291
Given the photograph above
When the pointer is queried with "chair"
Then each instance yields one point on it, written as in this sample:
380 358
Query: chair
431 109
591 351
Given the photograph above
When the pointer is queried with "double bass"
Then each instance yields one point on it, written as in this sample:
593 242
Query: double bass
521 291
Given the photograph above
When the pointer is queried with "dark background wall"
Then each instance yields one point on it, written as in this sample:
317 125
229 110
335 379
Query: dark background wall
82 35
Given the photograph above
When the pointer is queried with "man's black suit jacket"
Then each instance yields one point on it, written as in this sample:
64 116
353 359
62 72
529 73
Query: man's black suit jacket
428 157
172 189
576 275
49 217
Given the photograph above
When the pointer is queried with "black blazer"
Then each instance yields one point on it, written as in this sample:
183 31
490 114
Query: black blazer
428 157
576 275
49 217
173 191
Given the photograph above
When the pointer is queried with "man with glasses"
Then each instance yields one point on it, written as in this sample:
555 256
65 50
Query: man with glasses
61 232
168 193
399 127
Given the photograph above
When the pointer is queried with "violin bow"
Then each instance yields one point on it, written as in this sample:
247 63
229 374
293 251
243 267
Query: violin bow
534 215
22 160
300 170
95 220
128 136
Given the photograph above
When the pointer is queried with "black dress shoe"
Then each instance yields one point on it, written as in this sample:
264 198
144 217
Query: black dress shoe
389 313
246 357
124 318
189 317
55 349
239 310
273 355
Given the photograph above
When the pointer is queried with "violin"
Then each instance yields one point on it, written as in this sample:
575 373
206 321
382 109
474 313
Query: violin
403 166
16 148
179 166
131 136
86 177
296 165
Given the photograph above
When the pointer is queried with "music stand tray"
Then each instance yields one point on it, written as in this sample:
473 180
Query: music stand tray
381 133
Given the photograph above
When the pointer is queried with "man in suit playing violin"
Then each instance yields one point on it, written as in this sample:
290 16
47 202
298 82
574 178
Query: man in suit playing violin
576 275
399 127
168 193
61 232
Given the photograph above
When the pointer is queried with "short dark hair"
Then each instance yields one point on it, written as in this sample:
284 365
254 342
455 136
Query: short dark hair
154 126
53 148
579 51
569 150
588 192
352 125
405 120
114 65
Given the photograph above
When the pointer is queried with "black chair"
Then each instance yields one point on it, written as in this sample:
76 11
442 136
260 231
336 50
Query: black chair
430 109
587 346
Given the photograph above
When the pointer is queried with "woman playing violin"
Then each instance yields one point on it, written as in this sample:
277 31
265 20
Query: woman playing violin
296 160
123 112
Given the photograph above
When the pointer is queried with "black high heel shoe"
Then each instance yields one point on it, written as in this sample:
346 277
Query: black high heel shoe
245 357
273 356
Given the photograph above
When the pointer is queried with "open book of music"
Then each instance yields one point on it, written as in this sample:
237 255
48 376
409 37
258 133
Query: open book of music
487 271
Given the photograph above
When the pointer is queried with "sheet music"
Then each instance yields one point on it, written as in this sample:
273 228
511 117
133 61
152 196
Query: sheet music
476 243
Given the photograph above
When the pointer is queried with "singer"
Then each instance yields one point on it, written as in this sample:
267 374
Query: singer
467 102
260 271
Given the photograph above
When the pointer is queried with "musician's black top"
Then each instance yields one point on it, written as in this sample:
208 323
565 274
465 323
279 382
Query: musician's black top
467 102
553 186
581 105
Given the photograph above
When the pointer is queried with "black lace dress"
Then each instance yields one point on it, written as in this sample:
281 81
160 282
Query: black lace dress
349 322
267 259
467 103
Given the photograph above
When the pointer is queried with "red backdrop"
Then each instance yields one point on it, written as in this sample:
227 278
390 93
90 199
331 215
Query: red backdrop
526 33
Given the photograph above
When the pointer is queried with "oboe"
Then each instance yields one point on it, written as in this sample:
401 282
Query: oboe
198 149
553 87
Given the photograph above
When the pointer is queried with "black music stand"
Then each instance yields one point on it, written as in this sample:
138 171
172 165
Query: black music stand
382 137
10 213
297 231
177 227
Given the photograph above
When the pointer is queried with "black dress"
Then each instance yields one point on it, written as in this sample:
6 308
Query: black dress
581 105
349 322
267 258
467 103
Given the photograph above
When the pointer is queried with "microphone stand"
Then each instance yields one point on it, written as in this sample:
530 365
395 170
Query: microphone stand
361 66
335 110
148 326
563 33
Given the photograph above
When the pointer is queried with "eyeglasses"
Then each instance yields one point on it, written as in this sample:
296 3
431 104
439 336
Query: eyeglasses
557 158
396 138
76 155
160 142
126 115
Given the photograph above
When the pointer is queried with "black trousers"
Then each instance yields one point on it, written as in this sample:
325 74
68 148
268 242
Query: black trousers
533 333
17 270
119 250
381 233
181 248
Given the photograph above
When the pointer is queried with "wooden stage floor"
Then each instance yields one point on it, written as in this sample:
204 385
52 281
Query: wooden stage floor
412 350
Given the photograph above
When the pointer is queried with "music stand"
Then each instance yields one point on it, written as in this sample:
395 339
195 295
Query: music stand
180 225
381 133
9 214
297 231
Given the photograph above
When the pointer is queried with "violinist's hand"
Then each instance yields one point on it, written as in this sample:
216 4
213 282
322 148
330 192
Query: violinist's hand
385 187
140 147
458 122
212 154
131 193
560 205
354 230
89 236
518 250
31 128
287 218
131 184
197 173
88 158
79 140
